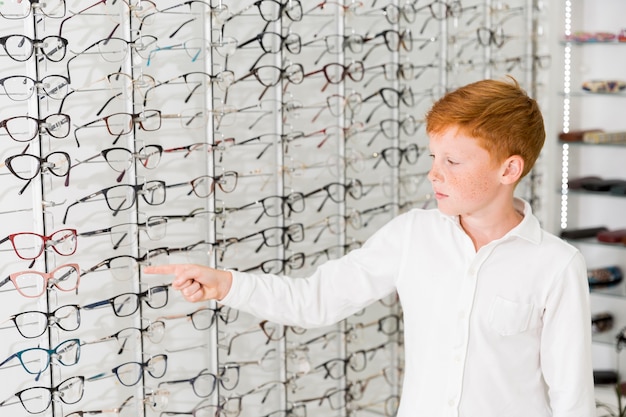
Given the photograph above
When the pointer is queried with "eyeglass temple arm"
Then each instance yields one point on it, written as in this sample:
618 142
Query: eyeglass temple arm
8 359
5 281
5 402
97 304
176 381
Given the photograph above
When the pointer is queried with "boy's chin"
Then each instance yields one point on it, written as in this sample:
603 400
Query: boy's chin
447 210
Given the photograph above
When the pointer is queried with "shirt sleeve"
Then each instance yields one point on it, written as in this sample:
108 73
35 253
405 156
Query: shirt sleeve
335 290
566 343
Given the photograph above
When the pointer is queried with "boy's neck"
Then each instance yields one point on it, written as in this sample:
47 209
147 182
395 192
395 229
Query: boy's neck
483 230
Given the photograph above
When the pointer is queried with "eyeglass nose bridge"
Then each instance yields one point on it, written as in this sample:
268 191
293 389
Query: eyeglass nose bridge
52 127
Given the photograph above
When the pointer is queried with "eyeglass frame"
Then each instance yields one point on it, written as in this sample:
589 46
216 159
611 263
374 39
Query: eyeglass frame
49 316
139 296
48 278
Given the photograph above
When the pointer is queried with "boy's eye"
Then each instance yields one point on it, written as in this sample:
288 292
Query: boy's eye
451 162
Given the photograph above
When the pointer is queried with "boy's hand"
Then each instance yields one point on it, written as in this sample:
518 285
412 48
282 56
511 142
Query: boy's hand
195 282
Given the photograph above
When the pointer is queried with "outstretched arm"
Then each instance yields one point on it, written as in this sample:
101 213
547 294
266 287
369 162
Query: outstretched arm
195 282
332 292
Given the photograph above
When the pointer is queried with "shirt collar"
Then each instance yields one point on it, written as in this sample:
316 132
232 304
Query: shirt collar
529 228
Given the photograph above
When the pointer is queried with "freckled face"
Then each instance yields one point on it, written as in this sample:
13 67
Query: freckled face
464 178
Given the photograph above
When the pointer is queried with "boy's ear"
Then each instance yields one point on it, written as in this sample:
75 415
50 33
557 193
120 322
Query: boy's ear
512 169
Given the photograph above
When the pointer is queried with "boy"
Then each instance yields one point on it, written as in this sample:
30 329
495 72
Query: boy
496 314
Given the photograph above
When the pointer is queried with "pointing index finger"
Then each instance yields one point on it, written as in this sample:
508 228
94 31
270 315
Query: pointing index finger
161 269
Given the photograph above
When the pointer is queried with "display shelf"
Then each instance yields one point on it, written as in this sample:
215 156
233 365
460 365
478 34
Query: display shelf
584 61
583 143
618 291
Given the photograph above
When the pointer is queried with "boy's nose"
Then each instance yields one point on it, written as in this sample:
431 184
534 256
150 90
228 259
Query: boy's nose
433 174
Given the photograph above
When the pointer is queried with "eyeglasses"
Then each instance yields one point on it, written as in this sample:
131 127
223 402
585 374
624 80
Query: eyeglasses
277 205
203 186
20 10
195 214
28 245
334 252
204 317
21 48
394 13
528 62
26 128
393 156
393 40
277 236
196 47
272 42
204 147
113 49
392 98
123 86
32 284
36 400
273 10
124 234
154 332
337 368
393 71
65 353
339 104
275 332
130 373
272 139
332 131
122 267
392 128
22 87
219 13
335 72
338 43
121 159
387 325
440 10
112 11
121 410
337 223
195 81
200 410
123 196
32 324
487 36
278 266
119 124
27 167
338 398
205 382
387 407
337 192
270 75
127 304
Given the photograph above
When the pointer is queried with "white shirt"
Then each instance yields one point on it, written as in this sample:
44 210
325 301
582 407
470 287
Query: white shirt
502 332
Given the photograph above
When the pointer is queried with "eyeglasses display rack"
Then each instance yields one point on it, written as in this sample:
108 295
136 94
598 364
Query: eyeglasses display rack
262 136
591 144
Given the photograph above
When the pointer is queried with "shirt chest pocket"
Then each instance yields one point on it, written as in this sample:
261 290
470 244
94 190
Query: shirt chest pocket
510 317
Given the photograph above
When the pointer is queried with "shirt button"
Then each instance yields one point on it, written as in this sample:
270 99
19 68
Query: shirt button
451 403
461 314
457 358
